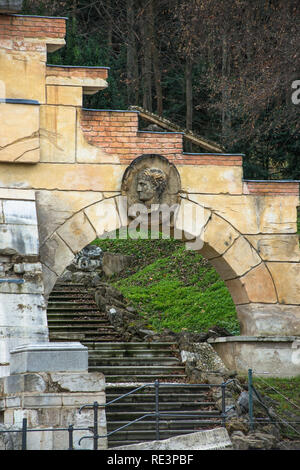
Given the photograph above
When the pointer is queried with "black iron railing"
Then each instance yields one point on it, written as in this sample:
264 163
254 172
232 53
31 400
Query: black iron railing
157 414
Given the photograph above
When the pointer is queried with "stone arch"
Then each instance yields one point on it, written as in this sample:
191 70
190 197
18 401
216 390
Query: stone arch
245 273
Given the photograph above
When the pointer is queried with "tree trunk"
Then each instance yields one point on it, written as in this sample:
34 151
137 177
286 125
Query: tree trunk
155 57
109 25
189 99
146 59
132 63
189 94
226 122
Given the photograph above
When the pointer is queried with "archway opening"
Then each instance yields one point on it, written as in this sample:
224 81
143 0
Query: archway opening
164 287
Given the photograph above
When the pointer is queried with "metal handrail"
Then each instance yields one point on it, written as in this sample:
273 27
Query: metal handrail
157 414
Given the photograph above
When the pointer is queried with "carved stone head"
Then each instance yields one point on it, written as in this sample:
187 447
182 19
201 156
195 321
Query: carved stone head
151 180
151 184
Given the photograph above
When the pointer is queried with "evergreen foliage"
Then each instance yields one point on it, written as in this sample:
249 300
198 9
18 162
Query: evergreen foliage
243 57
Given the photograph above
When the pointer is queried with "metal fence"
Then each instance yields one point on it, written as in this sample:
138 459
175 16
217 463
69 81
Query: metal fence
157 414
273 417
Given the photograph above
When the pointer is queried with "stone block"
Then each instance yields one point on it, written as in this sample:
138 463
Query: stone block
60 75
19 239
56 254
271 355
8 417
57 131
47 417
259 319
276 247
49 357
19 212
13 402
253 214
104 217
19 139
54 176
211 439
22 310
218 236
40 440
286 277
189 223
211 179
29 286
64 95
55 207
28 65
237 291
17 194
42 400
79 382
49 278
1 213
259 285
76 399
237 260
77 232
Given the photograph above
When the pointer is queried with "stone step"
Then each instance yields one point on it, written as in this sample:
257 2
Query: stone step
78 321
165 389
163 397
190 415
73 316
140 370
163 406
132 346
142 379
81 336
70 337
70 295
84 328
132 361
78 310
128 353
72 306
165 424
68 284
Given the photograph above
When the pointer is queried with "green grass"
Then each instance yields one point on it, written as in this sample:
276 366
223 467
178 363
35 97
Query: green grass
288 408
172 287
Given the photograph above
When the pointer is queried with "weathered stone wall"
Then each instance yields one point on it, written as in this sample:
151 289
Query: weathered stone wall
52 400
70 162
22 307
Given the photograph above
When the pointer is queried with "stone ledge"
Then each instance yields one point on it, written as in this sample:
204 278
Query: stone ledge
276 356
52 383
49 357
266 339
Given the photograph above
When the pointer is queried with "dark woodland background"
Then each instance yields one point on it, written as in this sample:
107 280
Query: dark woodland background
221 68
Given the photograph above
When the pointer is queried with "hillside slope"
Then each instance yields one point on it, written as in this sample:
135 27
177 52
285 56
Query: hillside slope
171 287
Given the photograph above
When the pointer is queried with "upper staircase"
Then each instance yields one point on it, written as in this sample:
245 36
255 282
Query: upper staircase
74 316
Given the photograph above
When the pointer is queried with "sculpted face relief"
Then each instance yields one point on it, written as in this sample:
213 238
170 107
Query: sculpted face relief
151 184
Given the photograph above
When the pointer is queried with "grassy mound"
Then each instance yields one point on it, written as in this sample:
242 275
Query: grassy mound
172 287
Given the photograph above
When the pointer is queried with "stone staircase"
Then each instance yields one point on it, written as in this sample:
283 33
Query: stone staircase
185 401
74 316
